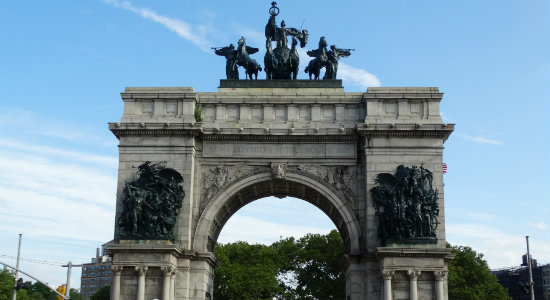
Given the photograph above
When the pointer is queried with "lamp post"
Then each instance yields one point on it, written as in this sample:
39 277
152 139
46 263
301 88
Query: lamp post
531 283
17 268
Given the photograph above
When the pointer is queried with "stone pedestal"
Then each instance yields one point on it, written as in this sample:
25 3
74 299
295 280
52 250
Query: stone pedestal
140 269
414 273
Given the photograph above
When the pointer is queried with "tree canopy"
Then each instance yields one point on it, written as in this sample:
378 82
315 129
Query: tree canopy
246 272
312 268
104 293
470 277
308 268
36 291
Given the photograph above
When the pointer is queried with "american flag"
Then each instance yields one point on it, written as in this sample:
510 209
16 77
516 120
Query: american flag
444 168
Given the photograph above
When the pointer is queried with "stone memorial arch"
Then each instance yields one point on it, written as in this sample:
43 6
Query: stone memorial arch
189 160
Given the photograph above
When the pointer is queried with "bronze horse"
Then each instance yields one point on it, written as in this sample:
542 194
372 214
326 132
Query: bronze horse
250 65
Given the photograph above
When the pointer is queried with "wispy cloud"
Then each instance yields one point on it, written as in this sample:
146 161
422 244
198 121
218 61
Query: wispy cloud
500 248
348 74
18 123
480 140
538 225
181 28
197 35
63 202
47 150
358 77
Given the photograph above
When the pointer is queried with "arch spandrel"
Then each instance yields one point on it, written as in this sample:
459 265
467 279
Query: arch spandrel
332 199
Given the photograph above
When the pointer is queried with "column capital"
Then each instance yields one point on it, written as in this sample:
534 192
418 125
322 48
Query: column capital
440 275
387 274
167 270
117 269
174 272
142 270
413 274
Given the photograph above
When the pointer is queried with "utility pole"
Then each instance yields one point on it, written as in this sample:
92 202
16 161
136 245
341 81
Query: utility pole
69 266
17 269
531 283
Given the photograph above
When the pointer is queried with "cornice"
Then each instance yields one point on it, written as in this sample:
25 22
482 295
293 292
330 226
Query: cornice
174 249
442 131
279 138
445 253
154 129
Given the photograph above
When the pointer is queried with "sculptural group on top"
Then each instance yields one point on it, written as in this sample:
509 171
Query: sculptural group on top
282 62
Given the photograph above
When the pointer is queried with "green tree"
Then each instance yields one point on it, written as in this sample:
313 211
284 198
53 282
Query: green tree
104 293
6 284
38 291
75 294
319 268
471 279
246 272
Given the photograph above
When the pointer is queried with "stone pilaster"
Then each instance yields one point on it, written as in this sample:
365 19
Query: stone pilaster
440 277
115 288
387 275
413 276
173 284
141 270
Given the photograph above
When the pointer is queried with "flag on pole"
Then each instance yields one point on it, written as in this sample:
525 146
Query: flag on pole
444 168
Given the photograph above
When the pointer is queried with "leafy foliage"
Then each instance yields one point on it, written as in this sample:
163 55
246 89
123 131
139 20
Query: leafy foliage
246 272
470 277
36 291
308 268
104 293
40 291
316 263
75 294
198 113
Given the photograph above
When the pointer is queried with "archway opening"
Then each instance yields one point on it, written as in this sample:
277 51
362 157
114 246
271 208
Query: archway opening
330 199
270 219
336 207
311 263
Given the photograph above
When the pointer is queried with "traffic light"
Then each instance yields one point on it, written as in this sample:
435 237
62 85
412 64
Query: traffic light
61 289
22 285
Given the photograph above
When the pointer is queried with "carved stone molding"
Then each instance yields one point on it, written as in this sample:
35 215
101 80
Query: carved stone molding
440 275
278 170
335 178
142 270
387 274
174 272
318 171
167 270
413 274
219 178
117 269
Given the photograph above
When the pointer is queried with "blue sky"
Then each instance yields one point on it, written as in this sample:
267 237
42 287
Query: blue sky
64 63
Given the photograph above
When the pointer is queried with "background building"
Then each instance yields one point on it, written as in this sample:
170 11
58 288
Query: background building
516 280
96 274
